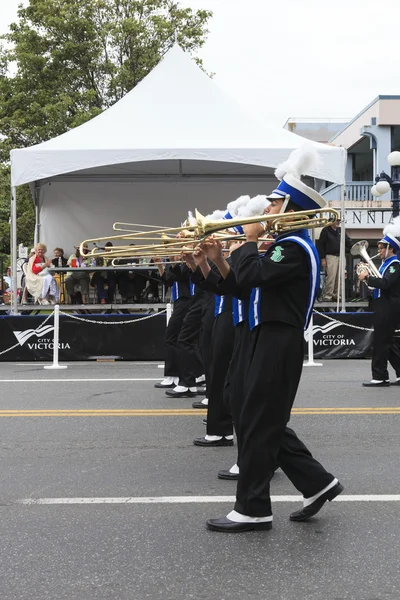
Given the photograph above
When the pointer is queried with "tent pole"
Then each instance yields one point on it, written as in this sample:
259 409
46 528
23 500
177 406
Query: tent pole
342 260
14 299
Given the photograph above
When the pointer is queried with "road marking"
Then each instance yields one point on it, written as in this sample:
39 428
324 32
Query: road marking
40 364
79 380
197 499
101 413
179 412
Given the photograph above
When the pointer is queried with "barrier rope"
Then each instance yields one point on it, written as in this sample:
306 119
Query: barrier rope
321 314
113 322
17 344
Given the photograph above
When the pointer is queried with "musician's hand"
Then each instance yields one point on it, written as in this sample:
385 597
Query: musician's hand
199 256
253 231
363 275
189 260
213 249
235 245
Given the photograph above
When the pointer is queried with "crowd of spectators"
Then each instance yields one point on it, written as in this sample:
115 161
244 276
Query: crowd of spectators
45 279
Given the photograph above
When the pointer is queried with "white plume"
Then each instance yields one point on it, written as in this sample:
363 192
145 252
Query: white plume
299 162
254 207
191 220
234 206
216 215
393 228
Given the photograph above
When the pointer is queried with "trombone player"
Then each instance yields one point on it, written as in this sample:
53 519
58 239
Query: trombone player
386 305
285 284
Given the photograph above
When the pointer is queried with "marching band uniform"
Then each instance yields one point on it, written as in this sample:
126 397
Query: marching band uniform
386 316
190 363
177 278
285 282
219 418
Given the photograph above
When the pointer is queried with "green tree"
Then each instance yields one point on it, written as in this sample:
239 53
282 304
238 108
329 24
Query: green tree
65 61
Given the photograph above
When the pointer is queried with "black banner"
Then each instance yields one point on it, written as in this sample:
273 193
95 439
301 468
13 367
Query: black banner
144 340
338 339
80 340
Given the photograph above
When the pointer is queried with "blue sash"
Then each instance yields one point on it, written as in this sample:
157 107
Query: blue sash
219 305
382 270
238 311
302 238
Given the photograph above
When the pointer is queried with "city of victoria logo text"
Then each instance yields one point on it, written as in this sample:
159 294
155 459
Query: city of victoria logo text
38 339
330 339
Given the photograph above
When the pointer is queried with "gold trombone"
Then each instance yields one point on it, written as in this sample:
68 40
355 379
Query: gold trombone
277 223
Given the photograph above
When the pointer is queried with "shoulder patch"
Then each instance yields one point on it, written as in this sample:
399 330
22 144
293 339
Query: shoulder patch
277 254
392 269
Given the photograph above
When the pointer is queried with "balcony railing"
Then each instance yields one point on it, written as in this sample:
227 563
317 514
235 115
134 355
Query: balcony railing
359 191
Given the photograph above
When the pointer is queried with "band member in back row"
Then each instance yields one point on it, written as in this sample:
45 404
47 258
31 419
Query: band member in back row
189 359
219 417
285 283
175 276
386 304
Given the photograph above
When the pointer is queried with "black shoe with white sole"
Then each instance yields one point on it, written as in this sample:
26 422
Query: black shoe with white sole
203 441
309 511
226 525
376 384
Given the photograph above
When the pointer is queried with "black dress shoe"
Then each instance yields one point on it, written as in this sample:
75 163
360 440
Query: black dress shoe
228 526
309 511
201 391
187 394
396 382
225 474
374 385
164 387
202 441
199 405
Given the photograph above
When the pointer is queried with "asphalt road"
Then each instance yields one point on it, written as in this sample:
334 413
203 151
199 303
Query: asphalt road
134 551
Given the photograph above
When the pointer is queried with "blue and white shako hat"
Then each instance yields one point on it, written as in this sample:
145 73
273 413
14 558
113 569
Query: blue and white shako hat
291 187
391 233
231 212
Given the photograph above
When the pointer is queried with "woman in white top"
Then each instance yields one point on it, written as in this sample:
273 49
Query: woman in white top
40 284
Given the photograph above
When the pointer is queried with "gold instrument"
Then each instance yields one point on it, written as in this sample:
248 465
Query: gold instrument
360 249
277 223
192 234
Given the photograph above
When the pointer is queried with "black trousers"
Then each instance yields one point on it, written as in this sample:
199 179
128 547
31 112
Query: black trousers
273 375
171 336
219 415
235 380
386 344
207 325
190 364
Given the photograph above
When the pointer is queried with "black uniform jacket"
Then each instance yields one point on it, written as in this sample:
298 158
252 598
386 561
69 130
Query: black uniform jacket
283 280
211 285
389 284
179 274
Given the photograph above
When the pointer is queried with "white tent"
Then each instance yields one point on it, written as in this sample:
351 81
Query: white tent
175 142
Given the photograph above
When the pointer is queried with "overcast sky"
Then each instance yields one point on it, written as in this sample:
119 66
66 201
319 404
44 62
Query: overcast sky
297 58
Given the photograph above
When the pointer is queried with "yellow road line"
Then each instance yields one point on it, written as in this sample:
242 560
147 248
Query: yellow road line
387 410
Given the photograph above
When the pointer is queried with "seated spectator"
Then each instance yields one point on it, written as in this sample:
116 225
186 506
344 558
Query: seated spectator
40 284
105 281
7 281
78 278
5 286
131 283
59 259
